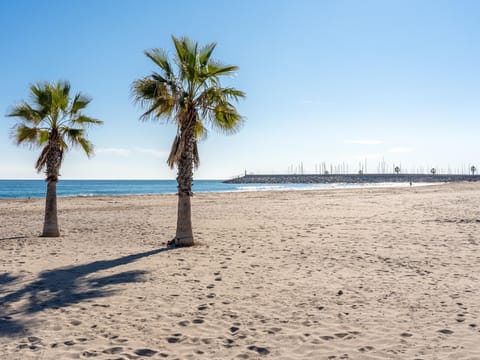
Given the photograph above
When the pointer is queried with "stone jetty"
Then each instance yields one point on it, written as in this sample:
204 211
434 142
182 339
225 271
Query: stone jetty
349 178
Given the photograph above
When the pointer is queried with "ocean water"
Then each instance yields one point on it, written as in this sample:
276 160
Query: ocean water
14 189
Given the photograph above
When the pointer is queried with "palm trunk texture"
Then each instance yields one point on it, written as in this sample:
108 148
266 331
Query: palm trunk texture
50 225
54 160
184 234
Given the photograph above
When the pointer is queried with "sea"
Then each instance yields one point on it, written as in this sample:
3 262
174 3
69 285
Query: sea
18 189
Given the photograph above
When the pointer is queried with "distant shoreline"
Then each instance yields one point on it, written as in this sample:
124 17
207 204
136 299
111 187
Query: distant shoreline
349 178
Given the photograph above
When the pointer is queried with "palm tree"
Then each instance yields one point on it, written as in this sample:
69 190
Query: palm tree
433 171
191 97
473 169
54 122
397 169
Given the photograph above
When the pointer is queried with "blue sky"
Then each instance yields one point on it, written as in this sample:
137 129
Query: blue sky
326 81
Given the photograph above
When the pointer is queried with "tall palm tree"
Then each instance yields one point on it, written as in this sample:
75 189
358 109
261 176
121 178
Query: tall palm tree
53 121
473 169
190 96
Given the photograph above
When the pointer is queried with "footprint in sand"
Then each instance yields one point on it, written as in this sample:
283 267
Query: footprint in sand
175 338
258 349
113 350
366 348
89 354
34 340
145 352
273 330
234 329
327 337
229 343
446 331
120 341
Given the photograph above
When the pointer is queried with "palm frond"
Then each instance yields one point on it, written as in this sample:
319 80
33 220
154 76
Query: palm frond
42 159
196 156
26 134
27 113
232 93
160 57
200 131
154 95
144 90
43 136
206 53
214 95
159 78
186 58
61 94
175 151
79 102
86 145
76 137
225 118
41 96
216 69
83 120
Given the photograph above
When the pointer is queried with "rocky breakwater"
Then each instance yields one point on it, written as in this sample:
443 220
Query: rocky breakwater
349 178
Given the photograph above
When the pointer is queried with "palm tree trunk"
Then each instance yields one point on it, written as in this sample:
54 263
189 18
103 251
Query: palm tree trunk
50 225
54 161
184 233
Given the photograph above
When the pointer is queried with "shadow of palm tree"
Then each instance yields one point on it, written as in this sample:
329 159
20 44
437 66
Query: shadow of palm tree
7 278
64 286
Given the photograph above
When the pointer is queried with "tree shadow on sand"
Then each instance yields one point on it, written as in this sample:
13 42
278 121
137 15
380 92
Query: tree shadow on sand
62 287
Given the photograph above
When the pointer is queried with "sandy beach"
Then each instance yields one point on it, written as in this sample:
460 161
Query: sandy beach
387 273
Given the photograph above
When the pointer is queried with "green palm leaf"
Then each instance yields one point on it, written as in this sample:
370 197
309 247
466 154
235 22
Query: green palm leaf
53 120
191 94
79 102
26 134
83 120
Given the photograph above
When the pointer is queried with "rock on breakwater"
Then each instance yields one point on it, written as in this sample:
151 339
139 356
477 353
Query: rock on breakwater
348 178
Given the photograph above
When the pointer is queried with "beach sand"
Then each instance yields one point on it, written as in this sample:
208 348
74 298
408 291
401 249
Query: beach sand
389 273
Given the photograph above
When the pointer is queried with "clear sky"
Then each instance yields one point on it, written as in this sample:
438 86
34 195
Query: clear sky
326 81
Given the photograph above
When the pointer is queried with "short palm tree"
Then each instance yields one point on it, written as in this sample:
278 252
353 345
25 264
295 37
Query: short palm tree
190 96
473 169
397 169
53 121
433 171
